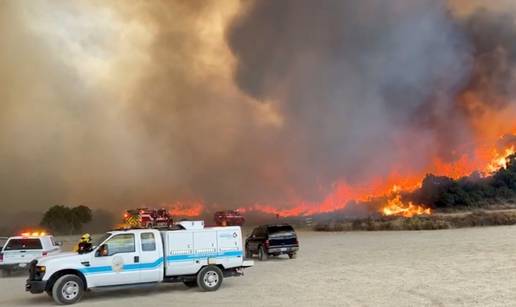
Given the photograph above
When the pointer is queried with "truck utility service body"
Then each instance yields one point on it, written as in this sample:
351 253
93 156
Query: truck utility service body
126 257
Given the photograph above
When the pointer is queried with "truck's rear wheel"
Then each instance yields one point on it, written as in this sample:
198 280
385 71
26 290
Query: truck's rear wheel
210 278
262 255
292 255
68 289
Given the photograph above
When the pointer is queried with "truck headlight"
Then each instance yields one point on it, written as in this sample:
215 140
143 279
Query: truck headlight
41 269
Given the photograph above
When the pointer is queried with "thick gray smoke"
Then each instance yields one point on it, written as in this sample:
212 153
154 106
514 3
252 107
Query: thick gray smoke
493 36
121 104
362 84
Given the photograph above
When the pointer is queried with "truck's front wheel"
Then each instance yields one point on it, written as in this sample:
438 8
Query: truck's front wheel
68 289
209 278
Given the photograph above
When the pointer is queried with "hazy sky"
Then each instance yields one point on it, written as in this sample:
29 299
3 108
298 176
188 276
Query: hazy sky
117 104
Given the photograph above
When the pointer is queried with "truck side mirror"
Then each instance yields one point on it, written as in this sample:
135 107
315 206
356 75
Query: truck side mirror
102 251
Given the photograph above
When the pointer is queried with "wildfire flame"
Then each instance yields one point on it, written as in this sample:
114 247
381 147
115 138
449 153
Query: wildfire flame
396 206
185 209
391 186
500 160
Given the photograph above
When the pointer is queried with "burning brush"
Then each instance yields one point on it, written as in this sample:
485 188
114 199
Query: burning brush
396 207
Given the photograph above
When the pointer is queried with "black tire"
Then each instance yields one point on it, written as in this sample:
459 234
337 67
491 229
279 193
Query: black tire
190 283
262 255
209 278
292 255
73 294
49 292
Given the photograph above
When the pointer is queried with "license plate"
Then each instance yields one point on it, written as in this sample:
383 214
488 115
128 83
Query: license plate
283 249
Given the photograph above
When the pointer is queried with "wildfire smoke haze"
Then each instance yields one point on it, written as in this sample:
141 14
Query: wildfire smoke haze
284 107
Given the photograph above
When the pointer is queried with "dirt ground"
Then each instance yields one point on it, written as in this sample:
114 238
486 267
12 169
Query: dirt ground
459 267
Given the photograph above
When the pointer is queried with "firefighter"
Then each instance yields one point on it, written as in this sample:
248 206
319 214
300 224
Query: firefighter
84 245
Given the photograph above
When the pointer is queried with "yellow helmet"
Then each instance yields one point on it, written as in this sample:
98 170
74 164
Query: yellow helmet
85 237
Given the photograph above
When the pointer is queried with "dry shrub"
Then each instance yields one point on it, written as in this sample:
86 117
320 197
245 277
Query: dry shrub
475 219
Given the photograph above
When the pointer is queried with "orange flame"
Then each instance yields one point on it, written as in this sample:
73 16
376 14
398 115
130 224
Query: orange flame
395 206
393 184
402 180
185 209
500 160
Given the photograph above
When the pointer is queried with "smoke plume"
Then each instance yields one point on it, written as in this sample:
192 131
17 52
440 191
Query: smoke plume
232 104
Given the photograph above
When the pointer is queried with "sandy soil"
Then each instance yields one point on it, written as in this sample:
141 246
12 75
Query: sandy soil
465 267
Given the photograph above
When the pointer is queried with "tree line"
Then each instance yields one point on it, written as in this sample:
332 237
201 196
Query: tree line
66 220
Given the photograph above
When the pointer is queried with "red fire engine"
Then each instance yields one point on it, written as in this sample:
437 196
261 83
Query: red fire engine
148 218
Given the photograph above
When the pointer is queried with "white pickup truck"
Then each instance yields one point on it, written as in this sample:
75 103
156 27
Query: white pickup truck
19 251
193 254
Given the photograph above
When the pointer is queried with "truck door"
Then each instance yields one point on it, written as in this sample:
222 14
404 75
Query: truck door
116 262
151 257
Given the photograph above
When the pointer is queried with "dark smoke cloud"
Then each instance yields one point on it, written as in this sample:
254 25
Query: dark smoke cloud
117 105
493 36
351 78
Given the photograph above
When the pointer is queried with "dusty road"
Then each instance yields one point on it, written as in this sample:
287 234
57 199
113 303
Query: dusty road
464 267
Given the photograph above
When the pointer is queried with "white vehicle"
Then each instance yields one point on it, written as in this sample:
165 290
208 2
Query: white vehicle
19 251
194 255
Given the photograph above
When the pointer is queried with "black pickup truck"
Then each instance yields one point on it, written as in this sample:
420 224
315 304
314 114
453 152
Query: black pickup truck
272 240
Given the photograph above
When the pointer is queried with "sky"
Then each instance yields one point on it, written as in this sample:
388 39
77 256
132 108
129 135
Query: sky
119 104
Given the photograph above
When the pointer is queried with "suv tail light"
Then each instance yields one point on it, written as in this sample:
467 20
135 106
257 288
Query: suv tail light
266 243
44 253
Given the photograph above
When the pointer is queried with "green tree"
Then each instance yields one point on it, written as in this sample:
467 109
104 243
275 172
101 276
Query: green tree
65 220
80 215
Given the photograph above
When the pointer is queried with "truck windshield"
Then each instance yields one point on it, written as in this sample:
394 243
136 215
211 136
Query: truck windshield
97 241
283 229
23 244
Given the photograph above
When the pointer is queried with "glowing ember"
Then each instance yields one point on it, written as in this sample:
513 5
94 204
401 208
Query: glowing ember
396 206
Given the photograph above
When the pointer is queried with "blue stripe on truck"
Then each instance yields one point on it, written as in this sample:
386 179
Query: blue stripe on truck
144 266
201 256
159 261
